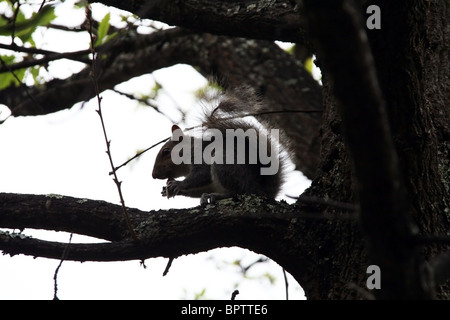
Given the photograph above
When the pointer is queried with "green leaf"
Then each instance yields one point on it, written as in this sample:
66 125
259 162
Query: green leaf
5 80
8 78
208 91
200 295
3 21
24 28
270 277
34 71
8 59
44 17
309 65
290 50
154 91
103 29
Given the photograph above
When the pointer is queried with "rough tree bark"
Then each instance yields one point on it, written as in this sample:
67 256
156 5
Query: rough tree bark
383 156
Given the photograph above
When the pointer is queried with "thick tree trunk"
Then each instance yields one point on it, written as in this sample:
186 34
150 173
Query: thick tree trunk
415 83
409 61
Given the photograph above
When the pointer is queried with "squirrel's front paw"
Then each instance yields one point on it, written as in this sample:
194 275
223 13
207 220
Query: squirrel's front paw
164 191
171 189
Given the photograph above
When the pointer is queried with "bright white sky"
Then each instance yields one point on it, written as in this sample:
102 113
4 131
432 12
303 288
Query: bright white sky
64 153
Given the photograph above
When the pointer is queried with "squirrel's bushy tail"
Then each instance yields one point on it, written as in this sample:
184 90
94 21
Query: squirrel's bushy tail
238 109
234 109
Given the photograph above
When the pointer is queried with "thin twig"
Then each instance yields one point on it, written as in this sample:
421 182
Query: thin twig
16 12
260 260
42 5
262 113
137 155
143 101
55 276
140 100
286 284
50 56
65 28
169 264
99 111
16 48
76 56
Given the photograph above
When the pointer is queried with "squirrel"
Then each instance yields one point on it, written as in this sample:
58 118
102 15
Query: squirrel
232 157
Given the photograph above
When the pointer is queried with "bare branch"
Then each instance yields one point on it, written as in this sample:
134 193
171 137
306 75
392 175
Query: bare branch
269 20
95 72
258 224
139 154
58 94
234 294
16 48
50 56
169 264
55 276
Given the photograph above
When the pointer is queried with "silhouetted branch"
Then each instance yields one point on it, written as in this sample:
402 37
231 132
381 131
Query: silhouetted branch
254 223
49 56
94 73
272 20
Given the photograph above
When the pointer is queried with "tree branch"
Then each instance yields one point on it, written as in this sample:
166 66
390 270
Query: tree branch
258 224
268 20
285 233
51 56
118 67
97 219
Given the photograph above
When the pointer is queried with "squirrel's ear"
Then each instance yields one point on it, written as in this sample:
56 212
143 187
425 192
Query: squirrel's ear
175 127
177 134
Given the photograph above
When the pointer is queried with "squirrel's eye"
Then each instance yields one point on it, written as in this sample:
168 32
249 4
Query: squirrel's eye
165 151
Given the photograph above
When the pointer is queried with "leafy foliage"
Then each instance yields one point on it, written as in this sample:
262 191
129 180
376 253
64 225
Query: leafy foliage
22 28
8 78
103 29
